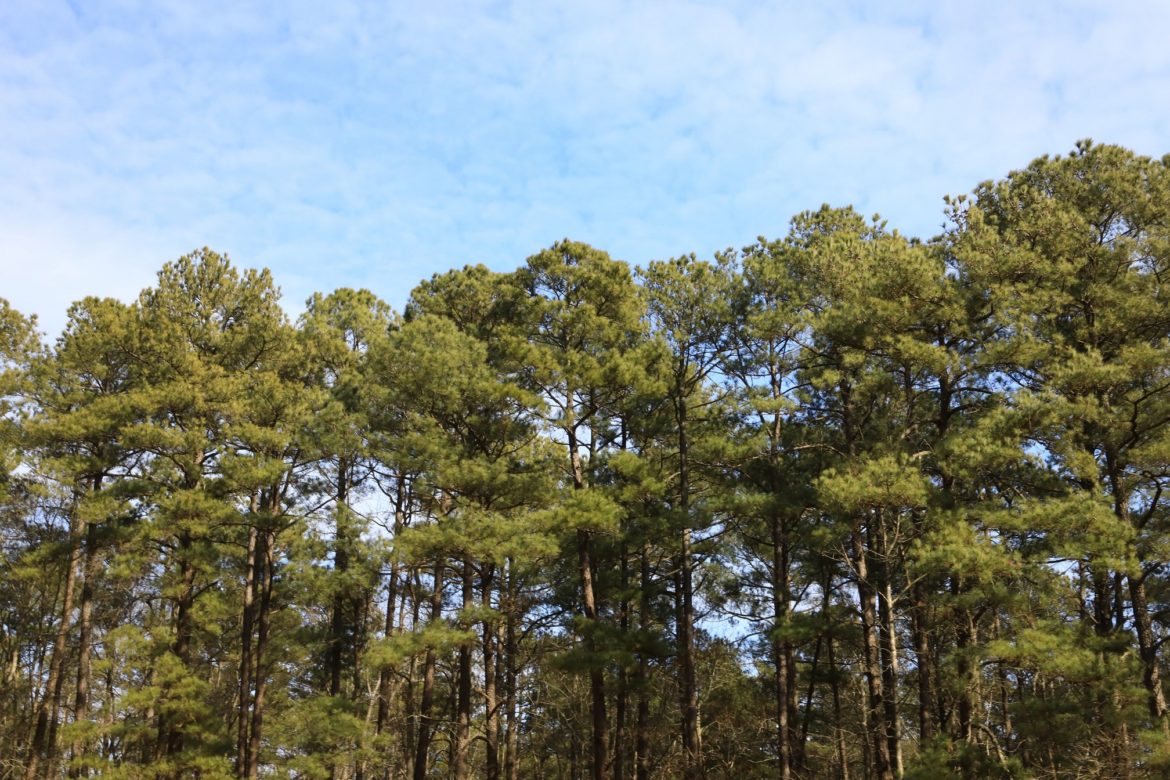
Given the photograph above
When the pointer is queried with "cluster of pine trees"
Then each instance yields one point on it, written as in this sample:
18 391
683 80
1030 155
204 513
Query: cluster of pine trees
844 504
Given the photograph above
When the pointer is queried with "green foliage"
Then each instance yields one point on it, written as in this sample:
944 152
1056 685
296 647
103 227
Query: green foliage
842 502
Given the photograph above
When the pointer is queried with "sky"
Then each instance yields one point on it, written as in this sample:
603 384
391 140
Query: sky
349 144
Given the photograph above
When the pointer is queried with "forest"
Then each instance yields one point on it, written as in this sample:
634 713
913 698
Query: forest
840 504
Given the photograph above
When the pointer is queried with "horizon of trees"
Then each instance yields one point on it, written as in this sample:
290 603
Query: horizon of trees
842 504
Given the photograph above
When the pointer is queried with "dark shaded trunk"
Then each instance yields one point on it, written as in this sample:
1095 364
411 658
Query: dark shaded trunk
89 571
888 635
838 726
875 706
924 660
43 742
170 725
511 649
459 766
688 692
385 674
491 705
247 630
1148 649
964 640
798 752
623 692
642 675
600 741
338 628
781 655
425 722
265 558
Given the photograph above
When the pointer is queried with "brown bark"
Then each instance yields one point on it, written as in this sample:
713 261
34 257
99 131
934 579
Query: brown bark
838 726
44 733
924 660
888 650
266 560
1148 649
623 692
875 709
89 570
688 692
511 650
600 741
491 705
247 630
780 651
425 725
642 725
459 764
170 729
385 673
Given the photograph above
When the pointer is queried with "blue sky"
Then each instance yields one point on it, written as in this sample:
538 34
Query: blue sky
354 144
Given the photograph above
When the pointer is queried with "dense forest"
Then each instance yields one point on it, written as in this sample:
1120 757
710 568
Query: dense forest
842 504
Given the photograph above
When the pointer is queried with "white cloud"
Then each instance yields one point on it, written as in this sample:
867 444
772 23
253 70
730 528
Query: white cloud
342 144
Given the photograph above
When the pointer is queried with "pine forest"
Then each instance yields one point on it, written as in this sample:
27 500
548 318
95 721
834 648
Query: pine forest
840 504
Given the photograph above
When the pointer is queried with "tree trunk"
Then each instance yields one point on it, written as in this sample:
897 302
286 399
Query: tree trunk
459 767
889 650
623 693
878 736
600 742
924 659
688 693
964 639
425 725
89 572
780 654
44 733
491 705
384 674
838 726
642 726
172 744
511 649
266 560
247 630
1148 649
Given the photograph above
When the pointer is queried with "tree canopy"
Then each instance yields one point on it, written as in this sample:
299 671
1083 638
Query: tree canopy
839 504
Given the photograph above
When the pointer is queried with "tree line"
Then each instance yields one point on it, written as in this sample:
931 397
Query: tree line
843 504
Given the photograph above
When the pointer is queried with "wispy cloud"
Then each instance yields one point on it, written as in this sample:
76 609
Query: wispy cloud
343 144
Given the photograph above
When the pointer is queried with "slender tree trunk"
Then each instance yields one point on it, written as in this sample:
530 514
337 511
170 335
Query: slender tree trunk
798 751
964 639
780 655
600 742
491 705
642 726
459 765
838 726
623 693
425 725
688 692
89 571
172 728
341 595
1148 650
511 662
266 559
889 650
44 733
412 717
385 673
924 659
878 736
245 677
